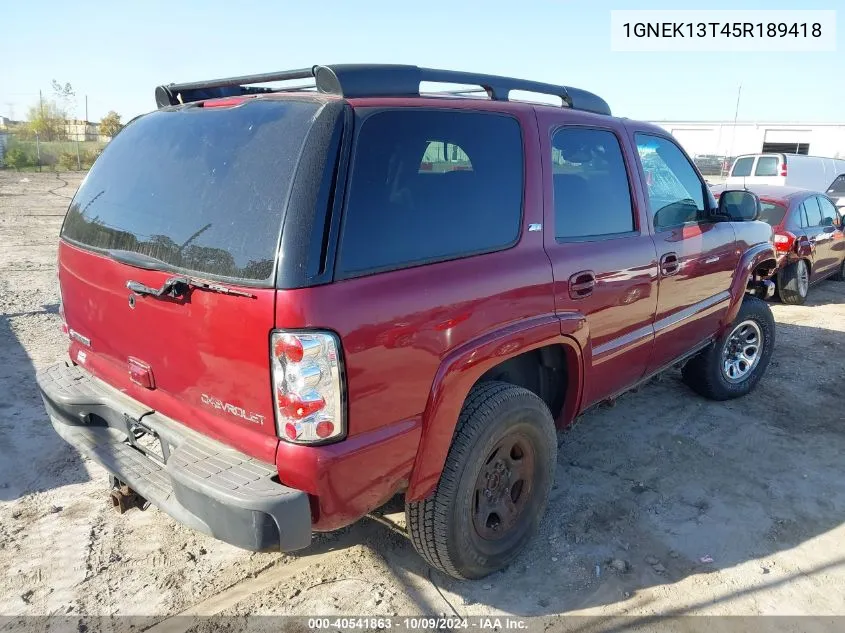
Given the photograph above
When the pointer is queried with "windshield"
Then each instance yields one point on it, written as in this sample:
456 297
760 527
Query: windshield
199 189
742 167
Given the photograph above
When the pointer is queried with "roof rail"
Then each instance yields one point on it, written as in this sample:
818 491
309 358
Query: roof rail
375 80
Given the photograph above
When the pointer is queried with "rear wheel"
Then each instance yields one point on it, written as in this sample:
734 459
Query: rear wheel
733 365
494 486
794 283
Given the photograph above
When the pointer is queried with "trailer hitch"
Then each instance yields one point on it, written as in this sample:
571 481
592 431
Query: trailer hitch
123 498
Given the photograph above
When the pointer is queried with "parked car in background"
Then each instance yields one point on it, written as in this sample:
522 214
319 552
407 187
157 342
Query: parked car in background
808 238
787 170
836 192
708 164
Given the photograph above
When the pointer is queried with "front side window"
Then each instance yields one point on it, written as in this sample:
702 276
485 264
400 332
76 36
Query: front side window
429 186
742 167
675 192
767 166
591 192
829 213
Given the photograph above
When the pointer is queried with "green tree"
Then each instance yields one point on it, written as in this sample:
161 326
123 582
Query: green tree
47 119
110 124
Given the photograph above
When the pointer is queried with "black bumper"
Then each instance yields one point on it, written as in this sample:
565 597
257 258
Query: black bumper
202 483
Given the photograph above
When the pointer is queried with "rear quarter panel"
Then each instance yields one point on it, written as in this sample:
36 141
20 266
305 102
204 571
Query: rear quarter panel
396 329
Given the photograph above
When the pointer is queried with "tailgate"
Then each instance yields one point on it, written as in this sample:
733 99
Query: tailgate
197 192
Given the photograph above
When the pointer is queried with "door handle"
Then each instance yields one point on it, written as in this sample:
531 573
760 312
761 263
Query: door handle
669 264
582 284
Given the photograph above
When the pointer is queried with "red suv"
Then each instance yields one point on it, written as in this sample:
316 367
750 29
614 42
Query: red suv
285 306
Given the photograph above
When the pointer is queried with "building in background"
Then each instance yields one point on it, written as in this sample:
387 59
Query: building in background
714 144
83 131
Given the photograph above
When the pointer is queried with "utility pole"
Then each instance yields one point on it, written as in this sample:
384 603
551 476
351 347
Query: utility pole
736 117
86 108
41 103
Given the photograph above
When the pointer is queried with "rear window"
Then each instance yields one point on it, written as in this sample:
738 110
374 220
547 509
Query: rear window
429 186
772 213
767 166
200 189
742 166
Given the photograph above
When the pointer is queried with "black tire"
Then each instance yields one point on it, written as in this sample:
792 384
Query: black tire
840 274
705 373
790 289
443 526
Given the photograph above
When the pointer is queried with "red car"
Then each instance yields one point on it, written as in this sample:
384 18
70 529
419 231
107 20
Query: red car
285 306
808 238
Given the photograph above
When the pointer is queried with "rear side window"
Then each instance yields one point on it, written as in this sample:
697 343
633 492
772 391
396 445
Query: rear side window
767 166
430 185
771 213
814 213
591 192
197 189
742 166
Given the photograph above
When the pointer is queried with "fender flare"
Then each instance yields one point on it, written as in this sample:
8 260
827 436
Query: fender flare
461 368
748 263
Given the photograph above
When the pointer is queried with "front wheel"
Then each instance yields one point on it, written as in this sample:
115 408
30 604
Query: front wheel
494 486
733 365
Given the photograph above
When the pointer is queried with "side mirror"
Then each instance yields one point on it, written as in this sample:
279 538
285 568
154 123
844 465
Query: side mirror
739 205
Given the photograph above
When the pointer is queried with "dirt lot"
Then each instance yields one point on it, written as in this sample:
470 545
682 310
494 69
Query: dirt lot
712 508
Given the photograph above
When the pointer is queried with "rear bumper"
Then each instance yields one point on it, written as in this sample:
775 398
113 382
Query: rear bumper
202 483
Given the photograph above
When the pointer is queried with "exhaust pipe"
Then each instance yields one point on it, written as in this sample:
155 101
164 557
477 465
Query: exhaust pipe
123 498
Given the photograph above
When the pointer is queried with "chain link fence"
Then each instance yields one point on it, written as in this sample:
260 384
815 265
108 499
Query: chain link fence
74 148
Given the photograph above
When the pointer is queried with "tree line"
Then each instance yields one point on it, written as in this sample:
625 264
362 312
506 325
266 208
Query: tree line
49 118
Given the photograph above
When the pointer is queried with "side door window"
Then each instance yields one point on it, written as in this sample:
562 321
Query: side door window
814 213
592 196
675 191
829 214
428 186
767 166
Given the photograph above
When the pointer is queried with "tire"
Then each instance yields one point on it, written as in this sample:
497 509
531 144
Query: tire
708 372
450 529
840 274
791 289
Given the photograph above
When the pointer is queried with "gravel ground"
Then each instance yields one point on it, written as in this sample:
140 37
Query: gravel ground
663 504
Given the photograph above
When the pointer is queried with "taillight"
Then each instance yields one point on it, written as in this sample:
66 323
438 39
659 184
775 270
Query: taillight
784 241
782 169
308 386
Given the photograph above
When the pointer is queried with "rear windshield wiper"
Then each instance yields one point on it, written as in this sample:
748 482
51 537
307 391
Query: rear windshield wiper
138 260
179 287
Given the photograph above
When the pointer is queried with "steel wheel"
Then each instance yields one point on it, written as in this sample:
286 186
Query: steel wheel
503 487
741 351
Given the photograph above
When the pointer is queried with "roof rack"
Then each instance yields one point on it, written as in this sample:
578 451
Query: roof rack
374 80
